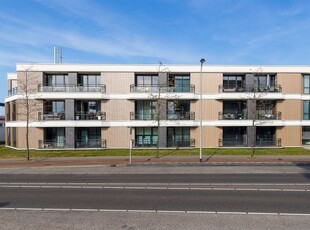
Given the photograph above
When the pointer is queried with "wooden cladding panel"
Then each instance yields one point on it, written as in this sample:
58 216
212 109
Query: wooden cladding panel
118 82
210 82
118 109
117 137
290 82
290 109
210 109
290 135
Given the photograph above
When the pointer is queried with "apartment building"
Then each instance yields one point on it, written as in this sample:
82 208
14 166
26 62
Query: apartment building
77 106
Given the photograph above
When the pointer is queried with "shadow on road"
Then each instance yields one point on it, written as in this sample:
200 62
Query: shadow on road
3 204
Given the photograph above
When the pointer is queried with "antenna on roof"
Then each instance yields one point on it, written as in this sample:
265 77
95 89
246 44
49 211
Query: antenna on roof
57 54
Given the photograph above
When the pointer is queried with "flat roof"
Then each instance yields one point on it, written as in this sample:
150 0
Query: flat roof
154 68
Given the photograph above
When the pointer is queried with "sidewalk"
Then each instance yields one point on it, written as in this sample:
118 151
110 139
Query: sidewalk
153 161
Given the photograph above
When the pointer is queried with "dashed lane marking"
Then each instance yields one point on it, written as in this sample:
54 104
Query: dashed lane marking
153 211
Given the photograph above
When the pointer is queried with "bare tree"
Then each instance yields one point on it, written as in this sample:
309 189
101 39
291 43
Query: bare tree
27 105
160 102
255 106
161 97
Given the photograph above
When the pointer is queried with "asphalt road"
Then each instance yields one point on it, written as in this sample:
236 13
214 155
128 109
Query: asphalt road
157 178
260 193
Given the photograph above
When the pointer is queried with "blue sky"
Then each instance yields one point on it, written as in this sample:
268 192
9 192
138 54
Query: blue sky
147 31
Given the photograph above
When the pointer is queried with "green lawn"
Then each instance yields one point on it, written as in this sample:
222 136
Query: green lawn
11 153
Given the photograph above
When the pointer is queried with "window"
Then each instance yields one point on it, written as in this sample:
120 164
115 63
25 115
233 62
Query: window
54 107
178 109
147 80
181 83
306 110
8 136
14 136
13 110
262 81
89 80
55 80
146 136
306 84
234 136
88 138
233 82
8 111
145 110
55 137
178 134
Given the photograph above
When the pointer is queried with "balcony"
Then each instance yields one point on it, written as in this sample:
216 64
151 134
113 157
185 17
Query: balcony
72 88
90 116
232 115
181 143
249 88
12 91
233 142
138 116
267 115
268 142
170 116
91 143
51 144
242 142
161 89
51 116
181 116
144 143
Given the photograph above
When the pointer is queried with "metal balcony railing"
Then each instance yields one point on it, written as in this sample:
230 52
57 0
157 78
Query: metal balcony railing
91 143
52 144
249 88
51 116
267 115
233 142
181 116
138 116
72 88
162 89
268 142
144 143
242 142
90 116
232 115
181 143
12 91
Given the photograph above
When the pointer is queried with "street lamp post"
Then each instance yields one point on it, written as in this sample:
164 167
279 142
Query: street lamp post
202 60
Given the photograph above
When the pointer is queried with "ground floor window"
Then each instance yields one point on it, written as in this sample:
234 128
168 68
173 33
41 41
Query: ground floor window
234 136
178 137
8 136
88 138
14 136
306 135
146 136
54 137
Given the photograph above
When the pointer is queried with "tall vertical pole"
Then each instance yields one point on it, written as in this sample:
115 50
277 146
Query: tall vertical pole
202 60
130 145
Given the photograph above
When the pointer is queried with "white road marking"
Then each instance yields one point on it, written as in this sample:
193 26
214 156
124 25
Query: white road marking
154 186
154 211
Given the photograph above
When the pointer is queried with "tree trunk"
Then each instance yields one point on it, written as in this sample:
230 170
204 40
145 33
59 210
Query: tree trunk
27 129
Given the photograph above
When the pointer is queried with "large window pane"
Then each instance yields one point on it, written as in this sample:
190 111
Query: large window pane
306 110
